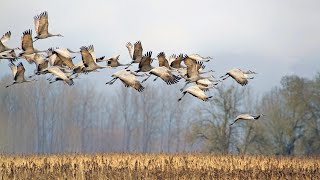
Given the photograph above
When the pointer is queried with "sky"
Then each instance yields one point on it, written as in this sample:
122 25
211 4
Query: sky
273 38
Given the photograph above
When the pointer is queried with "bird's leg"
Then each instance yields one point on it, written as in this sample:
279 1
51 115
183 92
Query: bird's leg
155 78
32 75
50 78
234 122
109 81
85 71
146 79
224 75
76 76
55 80
209 98
188 82
225 78
182 96
128 65
11 84
112 80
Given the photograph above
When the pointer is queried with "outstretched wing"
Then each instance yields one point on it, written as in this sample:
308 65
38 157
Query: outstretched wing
91 51
86 56
63 52
177 62
192 71
67 61
137 54
39 58
137 86
42 66
172 58
13 68
238 76
146 61
8 55
41 23
197 92
163 60
6 37
113 61
57 72
20 72
27 44
129 79
189 61
165 75
130 49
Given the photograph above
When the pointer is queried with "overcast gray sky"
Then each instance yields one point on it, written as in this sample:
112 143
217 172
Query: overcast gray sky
271 37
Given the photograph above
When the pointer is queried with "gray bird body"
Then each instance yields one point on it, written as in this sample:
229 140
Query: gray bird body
128 78
18 74
246 117
239 75
41 25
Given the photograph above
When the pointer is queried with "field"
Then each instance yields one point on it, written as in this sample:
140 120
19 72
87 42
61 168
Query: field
157 166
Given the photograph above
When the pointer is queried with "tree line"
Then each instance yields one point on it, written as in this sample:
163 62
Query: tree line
43 118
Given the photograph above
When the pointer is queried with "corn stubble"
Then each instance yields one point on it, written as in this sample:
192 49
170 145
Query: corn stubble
157 166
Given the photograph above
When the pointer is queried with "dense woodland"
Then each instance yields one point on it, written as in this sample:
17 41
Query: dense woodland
40 117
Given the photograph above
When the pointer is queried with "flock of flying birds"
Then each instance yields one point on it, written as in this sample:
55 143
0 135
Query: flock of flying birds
59 63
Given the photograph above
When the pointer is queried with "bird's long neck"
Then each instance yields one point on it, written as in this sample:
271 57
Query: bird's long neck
51 35
30 80
205 77
208 87
37 51
203 72
101 67
123 64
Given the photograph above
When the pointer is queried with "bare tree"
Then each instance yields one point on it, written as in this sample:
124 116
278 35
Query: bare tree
286 115
211 120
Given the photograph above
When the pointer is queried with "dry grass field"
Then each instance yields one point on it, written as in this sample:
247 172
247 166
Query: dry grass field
157 166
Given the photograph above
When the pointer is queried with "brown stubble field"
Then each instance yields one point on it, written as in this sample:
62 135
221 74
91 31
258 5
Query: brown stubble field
157 166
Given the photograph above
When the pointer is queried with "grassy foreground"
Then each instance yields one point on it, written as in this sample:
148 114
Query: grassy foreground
157 166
